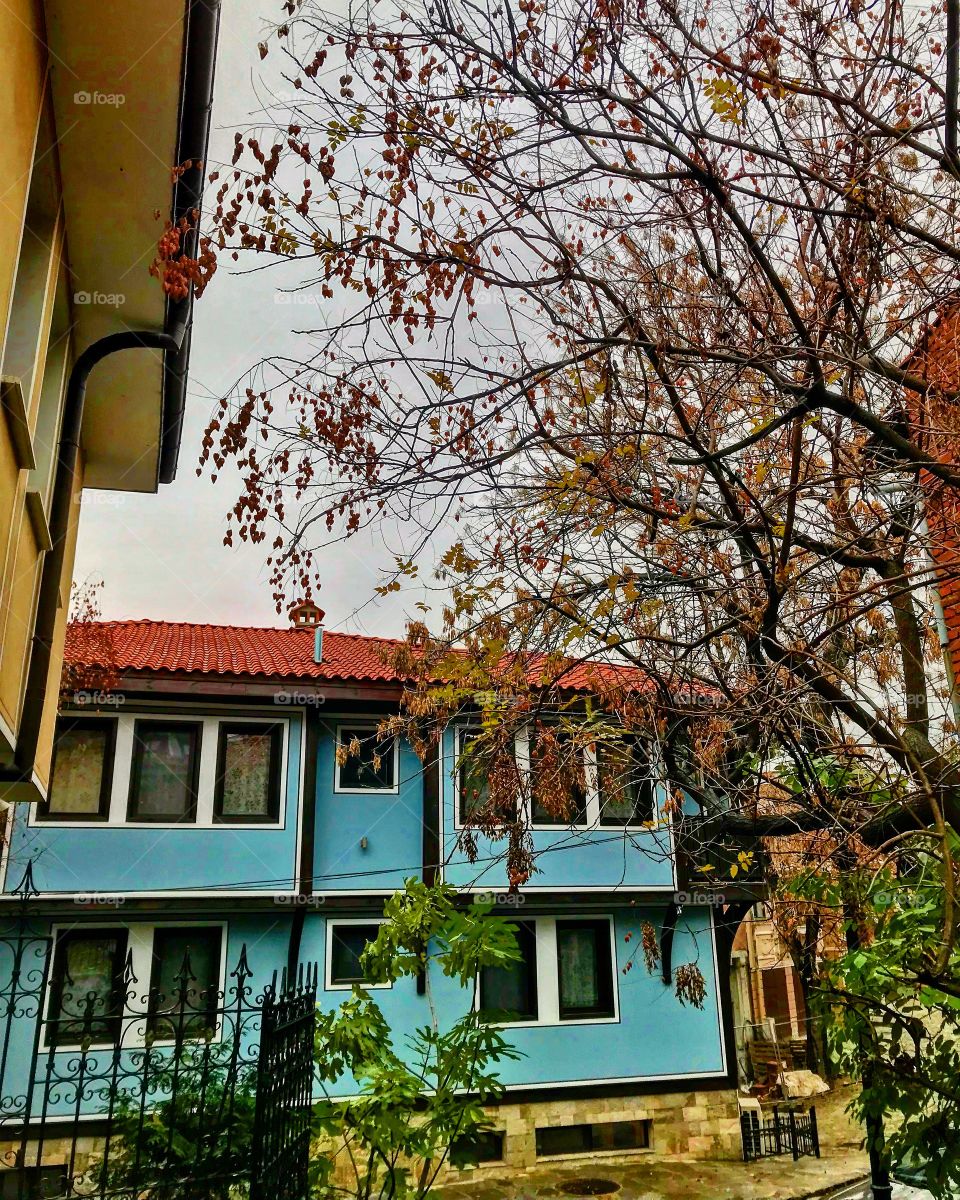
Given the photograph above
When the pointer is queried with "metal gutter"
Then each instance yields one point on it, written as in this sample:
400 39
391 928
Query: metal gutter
196 103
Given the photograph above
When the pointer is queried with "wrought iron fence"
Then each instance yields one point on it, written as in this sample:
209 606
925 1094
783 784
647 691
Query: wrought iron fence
281 1135
781 1133
183 1093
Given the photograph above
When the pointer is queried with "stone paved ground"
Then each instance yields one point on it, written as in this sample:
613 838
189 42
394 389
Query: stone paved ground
842 1161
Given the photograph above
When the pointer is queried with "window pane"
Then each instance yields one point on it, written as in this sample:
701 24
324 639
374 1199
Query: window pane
80 760
348 942
583 960
164 771
372 768
482 1146
247 784
473 784
33 1183
185 983
626 791
86 986
563 1139
557 784
621 1135
511 992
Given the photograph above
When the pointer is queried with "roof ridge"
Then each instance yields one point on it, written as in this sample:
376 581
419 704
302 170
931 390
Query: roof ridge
133 621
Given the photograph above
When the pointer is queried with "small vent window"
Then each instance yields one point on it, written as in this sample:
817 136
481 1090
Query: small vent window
588 1139
484 1146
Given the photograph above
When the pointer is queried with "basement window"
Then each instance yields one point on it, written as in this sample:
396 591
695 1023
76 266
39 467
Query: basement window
553 1141
33 1183
483 1146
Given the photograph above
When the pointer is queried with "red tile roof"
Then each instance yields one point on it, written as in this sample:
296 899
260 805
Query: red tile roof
160 647
178 647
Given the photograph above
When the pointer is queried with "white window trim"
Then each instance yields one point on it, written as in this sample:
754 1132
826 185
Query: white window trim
328 984
359 726
140 937
592 821
206 776
459 733
656 775
548 975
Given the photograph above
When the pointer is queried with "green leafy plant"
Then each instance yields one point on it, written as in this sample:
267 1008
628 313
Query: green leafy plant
891 1006
194 1143
412 1104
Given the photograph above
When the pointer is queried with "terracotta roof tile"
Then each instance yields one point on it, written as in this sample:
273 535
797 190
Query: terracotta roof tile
271 653
178 647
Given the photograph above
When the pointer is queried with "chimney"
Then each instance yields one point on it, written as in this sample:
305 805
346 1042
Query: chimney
307 615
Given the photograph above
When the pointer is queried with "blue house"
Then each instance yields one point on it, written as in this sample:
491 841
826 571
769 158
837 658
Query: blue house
200 806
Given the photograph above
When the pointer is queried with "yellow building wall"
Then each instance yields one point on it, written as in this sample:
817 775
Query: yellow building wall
22 37
21 94
48 726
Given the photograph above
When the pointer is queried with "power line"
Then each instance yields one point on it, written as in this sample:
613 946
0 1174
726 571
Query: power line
574 842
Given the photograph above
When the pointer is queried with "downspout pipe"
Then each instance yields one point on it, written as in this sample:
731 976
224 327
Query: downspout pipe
51 577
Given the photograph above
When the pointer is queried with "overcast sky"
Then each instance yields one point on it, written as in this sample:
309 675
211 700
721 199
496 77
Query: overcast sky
162 556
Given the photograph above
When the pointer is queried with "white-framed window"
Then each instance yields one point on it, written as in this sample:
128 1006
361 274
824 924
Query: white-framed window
567 974
471 788
111 982
169 770
84 749
617 787
624 783
374 769
346 940
555 775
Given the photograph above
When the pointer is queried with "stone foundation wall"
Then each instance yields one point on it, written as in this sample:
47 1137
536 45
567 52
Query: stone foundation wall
686 1125
56 1152
682 1124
